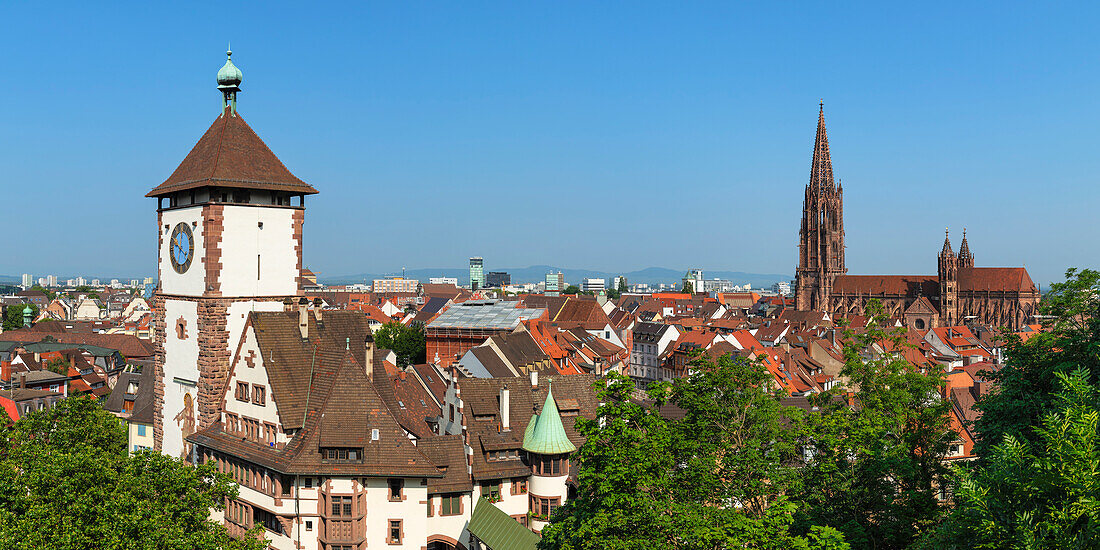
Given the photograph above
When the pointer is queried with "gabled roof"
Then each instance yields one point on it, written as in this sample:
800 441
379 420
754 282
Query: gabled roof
889 285
499 531
230 154
545 434
996 279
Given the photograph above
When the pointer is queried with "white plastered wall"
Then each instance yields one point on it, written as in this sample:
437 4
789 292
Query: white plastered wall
181 359
243 239
253 375
193 281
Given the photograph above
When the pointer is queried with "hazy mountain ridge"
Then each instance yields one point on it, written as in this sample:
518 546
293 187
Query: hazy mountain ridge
536 273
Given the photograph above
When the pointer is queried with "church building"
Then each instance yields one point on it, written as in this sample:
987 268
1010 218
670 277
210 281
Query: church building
957 294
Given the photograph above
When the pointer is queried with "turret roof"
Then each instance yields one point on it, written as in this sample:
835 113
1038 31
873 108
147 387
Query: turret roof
545 434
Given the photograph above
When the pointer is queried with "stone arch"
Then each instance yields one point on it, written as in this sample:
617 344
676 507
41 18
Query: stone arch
444 542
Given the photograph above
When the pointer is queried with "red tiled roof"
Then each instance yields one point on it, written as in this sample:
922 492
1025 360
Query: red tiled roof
230 154
995 279
890 285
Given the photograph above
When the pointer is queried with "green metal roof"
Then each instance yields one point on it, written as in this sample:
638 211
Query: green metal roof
229 75
548 434
498 530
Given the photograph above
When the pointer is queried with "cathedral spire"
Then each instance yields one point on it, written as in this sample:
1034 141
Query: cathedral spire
946 243
821 168
966 258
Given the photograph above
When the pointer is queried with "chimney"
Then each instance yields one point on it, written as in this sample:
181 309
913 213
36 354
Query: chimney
22 380
505 409
303 318
534 380
368 362
317 303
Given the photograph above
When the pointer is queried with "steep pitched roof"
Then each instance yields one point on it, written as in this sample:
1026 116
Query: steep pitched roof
290 360
230 154
995 279
497 530
889 285
545 434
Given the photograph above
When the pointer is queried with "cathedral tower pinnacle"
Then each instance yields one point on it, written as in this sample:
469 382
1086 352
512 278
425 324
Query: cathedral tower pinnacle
821 237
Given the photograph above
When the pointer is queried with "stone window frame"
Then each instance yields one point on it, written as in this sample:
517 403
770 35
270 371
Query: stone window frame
518 486
259 395
242 392
400 525
339 504
487 490
400 484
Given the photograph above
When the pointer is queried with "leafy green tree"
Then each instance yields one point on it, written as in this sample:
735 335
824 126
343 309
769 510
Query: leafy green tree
13 317
1026 385
408 342
714 479
1036 495
613 294
67 481
58 365
622 285
572 289
876 448
688 288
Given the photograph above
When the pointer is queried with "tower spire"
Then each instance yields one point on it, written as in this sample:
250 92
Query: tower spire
229 82
947 243
966 258
821 168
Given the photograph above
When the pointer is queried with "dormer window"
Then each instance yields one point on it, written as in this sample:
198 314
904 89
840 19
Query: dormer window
341 454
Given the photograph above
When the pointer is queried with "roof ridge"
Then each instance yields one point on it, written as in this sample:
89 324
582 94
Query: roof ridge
221 140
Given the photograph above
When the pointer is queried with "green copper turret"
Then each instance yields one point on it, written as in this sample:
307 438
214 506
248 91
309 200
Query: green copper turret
229 82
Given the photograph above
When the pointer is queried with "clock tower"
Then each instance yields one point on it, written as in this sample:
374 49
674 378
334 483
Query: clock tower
229 234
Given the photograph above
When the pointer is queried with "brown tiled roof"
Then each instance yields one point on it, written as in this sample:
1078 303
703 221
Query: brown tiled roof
128 345
520 349
587 313
887 285
289 359
448 453
344 411
492 362
995 279
479 395
407 399
230 154
552 304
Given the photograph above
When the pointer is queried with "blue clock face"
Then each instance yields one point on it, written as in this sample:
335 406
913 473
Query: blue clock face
181 247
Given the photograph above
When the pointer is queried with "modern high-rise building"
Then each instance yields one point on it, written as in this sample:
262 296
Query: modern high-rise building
497 279
477 273
395 284
51 280
590 284
28 280
555 283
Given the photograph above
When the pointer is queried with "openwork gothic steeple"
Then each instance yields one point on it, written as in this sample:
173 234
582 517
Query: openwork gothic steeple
821 237
966 258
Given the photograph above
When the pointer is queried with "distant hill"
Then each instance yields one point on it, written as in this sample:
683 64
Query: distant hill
536 273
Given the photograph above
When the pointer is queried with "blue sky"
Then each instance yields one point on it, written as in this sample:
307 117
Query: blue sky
613 136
